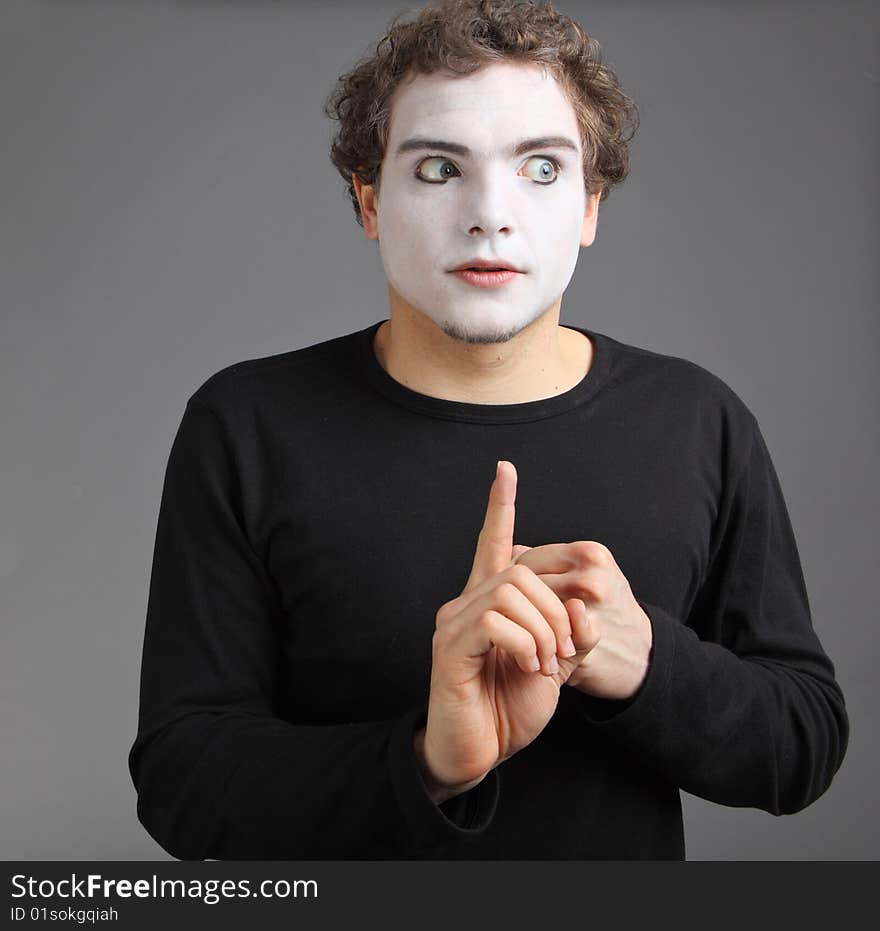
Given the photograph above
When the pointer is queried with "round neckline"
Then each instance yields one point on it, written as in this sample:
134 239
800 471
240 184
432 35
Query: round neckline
470 412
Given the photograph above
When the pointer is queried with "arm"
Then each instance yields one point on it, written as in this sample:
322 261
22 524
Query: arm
739 705
219 774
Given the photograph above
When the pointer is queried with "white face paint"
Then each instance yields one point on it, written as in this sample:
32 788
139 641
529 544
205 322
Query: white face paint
488 204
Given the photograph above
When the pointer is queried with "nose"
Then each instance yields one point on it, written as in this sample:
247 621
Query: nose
488 228
490 208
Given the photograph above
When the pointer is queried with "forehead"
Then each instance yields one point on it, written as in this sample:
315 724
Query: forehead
523 97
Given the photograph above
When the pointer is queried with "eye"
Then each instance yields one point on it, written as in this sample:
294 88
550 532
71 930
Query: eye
547 166
445 169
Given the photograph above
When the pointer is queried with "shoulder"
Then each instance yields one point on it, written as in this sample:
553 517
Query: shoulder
698 405
285 379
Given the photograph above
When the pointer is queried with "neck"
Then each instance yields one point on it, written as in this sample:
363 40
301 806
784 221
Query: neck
541 361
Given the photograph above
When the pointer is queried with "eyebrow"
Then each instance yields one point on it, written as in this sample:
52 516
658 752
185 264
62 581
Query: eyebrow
417 143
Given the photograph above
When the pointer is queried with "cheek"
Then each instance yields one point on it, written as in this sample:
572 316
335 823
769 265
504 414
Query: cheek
407 227
555 239
558 223
412 248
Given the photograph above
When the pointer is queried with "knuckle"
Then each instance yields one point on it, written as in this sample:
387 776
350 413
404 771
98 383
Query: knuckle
580 552
587 584
597 587
446 612
520 573
590 552
505 594
577 582
594 581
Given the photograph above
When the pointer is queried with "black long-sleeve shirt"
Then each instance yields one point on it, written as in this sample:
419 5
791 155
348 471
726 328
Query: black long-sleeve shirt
315 515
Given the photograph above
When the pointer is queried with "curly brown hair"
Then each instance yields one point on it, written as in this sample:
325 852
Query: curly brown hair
461 36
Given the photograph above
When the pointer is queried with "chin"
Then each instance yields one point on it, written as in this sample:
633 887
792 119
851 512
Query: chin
480 335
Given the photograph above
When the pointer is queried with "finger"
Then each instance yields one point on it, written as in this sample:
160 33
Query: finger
567 664
585 630
549 558
584 633
540 596
518 550
492 628
464 646
592 585
511 602
495 542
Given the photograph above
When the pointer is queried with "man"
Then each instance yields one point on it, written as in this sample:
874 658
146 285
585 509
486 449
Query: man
334 667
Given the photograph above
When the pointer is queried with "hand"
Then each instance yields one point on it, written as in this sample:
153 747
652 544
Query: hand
487 701
607 616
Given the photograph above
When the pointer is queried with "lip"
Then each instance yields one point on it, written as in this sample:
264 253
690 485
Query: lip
485 279
485 263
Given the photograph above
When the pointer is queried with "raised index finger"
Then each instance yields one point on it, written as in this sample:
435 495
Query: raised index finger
495 543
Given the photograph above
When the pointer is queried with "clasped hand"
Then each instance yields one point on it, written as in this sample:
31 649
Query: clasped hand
528 621
608 615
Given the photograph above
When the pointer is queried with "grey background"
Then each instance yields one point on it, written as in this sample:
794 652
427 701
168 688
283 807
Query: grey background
168 208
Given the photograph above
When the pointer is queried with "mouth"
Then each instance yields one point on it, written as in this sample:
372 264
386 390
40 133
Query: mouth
485 265
485 277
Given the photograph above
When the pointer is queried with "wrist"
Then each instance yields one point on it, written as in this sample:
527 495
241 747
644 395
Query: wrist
438 791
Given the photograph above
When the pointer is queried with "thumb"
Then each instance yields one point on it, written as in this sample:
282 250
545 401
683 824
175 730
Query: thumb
495 542
584 634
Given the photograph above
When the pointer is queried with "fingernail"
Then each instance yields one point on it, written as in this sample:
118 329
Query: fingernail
570 649
553 664
536 664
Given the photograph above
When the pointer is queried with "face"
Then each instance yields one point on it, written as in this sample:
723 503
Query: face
439 206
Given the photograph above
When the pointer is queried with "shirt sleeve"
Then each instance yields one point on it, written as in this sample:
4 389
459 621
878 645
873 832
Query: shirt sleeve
218 773
739 705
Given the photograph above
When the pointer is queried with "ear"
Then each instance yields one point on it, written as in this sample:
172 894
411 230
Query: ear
591 218
366 195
